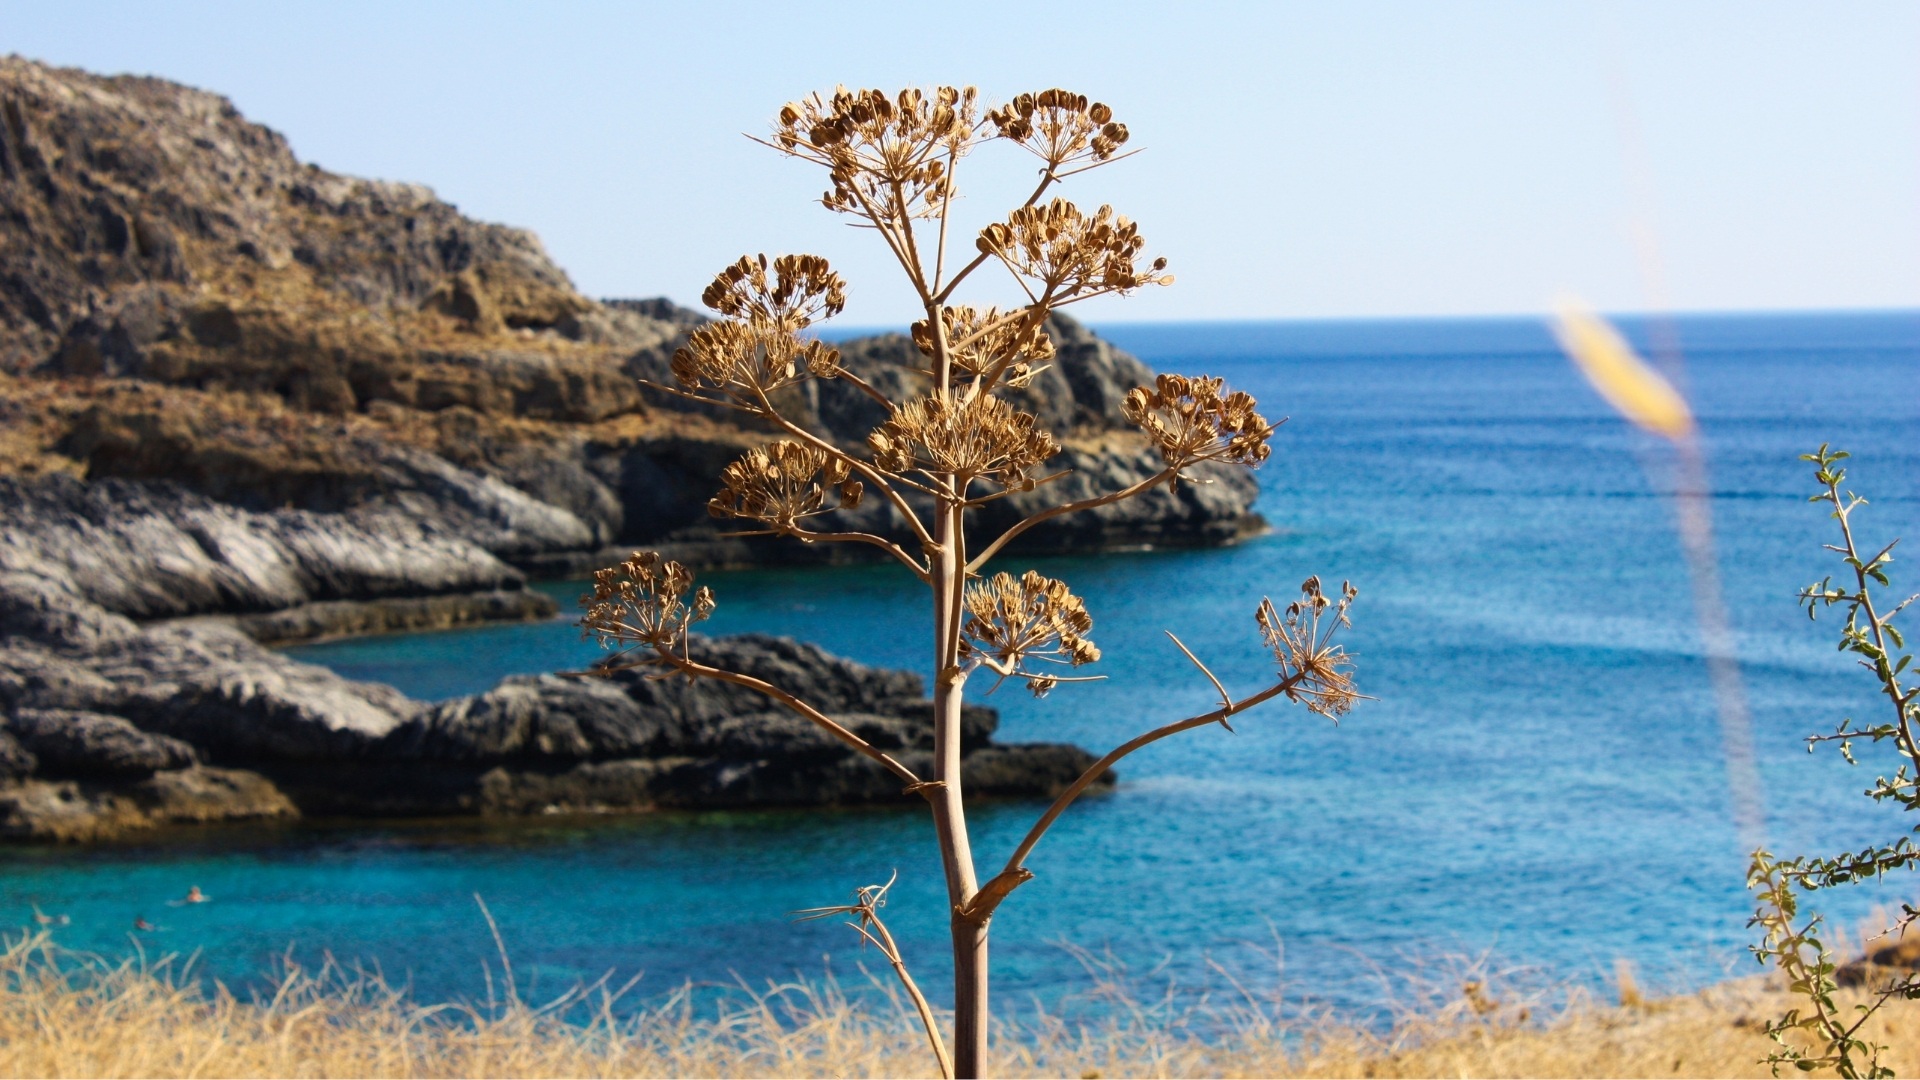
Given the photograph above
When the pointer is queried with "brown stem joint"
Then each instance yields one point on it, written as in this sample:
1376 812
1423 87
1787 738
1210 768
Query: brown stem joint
980 908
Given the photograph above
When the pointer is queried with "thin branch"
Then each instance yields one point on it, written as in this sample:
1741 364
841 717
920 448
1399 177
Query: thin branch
679 393
1016 872
1046 178
696 669
1020 280
906 232
1006 492
866 388
807 536
1225 698
1065 508
1890 683
866 913
946 212
886 231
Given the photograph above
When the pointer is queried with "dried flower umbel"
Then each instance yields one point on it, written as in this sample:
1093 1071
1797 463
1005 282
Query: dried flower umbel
989 344
967 439
1318 672
1012 622
642 603
784 482
884 152
1195 420
891 160
757 347
1068 255
1060 127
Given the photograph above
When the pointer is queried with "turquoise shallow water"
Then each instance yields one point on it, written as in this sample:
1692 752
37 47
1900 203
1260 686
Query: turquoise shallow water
1539 777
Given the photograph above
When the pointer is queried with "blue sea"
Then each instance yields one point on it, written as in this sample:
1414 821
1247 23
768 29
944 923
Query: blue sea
1538 781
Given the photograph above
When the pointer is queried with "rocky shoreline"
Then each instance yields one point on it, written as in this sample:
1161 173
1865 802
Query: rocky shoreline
109 726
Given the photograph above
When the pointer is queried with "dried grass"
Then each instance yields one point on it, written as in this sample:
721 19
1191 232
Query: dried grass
64 1014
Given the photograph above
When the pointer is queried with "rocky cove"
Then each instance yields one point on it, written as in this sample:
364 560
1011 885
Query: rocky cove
245 401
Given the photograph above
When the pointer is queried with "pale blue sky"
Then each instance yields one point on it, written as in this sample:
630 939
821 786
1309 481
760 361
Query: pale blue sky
1303 160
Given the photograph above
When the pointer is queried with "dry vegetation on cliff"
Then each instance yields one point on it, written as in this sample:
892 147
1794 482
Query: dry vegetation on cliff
62 1015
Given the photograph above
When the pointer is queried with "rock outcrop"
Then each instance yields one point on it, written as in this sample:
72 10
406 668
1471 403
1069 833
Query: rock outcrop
108 725
182 300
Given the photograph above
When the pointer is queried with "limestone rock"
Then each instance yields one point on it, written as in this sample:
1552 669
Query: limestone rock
87 745
150 551
103 731
74 811
353 618
572 744
212 686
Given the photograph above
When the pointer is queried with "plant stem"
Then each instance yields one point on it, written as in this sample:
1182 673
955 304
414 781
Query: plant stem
970 998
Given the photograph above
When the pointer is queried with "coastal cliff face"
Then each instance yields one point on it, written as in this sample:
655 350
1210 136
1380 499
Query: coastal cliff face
182 300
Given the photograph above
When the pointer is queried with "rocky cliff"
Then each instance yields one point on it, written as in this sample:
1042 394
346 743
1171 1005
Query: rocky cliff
181 299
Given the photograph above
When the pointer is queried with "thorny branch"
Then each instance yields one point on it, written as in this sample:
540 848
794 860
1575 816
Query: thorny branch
1796 949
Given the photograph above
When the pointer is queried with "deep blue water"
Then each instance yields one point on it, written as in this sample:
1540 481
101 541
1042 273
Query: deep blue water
1539 777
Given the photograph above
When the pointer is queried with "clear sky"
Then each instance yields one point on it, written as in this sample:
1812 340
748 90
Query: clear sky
1302 160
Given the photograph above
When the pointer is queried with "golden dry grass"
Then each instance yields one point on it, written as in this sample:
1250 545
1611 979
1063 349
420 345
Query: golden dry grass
68 1015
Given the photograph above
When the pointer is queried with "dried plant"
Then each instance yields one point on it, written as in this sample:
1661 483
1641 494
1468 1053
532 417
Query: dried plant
891 161
641 603
782 482
989 344
965 438
865 909
1318 670
1032 618
1832 1038
1191 420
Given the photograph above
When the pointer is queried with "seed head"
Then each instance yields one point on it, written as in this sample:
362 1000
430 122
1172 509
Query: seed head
1301 640
802 288
883 151
1060 127
757 346
980 341
783 482
1014 620
1195 419
641 604
739 358
973 437
1074 254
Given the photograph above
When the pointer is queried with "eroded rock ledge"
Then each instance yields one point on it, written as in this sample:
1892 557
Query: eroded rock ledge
108 726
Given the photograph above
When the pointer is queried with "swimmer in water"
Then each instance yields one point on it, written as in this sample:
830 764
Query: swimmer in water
142 924
194 896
